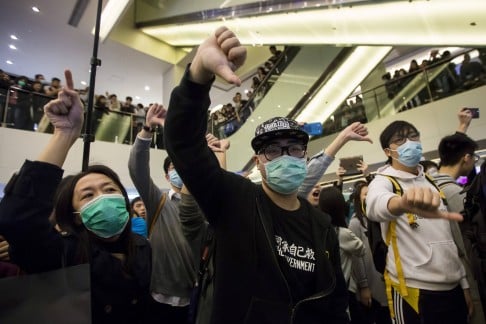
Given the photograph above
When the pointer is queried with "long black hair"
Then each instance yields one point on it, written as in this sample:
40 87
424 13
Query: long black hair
331 201
65 217
359 208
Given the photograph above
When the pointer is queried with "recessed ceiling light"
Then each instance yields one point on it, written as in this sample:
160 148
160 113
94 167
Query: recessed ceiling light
137 97
13 37
147 88
83 83
35 9
12 46
8 62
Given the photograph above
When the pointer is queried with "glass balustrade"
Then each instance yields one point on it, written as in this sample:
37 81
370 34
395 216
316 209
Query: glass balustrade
22 109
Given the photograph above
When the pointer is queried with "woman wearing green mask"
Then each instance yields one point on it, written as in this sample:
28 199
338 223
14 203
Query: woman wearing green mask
92 211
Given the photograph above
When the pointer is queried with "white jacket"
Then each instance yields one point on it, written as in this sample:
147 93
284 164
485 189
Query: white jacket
429 256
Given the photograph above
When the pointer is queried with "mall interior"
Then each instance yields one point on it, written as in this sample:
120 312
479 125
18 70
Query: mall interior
326 63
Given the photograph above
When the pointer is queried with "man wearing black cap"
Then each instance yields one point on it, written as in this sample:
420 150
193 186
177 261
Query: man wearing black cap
277 257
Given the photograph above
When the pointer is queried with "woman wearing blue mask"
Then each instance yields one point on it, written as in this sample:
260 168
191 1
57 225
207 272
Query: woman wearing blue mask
425 278
91 209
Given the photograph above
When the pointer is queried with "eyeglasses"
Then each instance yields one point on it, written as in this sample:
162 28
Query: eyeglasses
274 151
400 139
475 157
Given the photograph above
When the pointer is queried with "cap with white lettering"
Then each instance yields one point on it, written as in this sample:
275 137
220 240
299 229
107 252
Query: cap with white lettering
278 127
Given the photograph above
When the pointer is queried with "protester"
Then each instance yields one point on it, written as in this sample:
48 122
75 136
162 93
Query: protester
255 225
94 214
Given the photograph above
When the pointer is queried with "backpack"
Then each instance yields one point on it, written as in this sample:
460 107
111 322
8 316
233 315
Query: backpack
473 228
474 224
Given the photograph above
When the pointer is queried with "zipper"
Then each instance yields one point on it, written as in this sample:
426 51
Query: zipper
323 294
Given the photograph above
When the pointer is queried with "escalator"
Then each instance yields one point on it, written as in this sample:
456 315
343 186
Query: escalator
295 81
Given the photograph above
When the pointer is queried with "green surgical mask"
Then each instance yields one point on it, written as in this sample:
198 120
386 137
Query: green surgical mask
285 174
106 215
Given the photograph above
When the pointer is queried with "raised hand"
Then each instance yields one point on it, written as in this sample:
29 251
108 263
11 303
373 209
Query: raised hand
221 55
217 145
66 112
363 167
340 172
465 116
356 132
156 115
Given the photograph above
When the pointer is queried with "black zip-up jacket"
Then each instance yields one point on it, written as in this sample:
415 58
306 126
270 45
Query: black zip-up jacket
249 284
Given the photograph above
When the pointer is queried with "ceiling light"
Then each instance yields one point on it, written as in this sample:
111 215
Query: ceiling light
35 9
350 74
147 88
425 23
83 83
13 37
137 97
8 62
12 46
112 12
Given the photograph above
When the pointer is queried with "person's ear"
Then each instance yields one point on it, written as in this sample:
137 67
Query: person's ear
167 177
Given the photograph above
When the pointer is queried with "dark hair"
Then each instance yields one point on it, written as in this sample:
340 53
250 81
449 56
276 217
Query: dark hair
129 98
453 147
64 215
134 201
38 75
55 79
98 100
398 127
167 163
427 164
358 207
331 201
112 96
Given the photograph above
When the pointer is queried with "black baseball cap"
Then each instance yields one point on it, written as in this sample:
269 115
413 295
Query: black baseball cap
278 127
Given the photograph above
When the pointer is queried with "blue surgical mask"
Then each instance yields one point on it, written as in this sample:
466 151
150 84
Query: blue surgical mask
409 153
174 179
285 174
105 215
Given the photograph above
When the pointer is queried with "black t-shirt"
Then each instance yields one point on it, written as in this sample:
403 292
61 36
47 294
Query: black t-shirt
295 249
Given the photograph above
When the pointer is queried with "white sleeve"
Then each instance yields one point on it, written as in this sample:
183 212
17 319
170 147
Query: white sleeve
380 191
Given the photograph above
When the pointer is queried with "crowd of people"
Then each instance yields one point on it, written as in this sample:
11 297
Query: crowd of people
218 248
27 97
470 75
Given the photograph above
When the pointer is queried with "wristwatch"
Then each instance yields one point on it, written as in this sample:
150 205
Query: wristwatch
149 129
